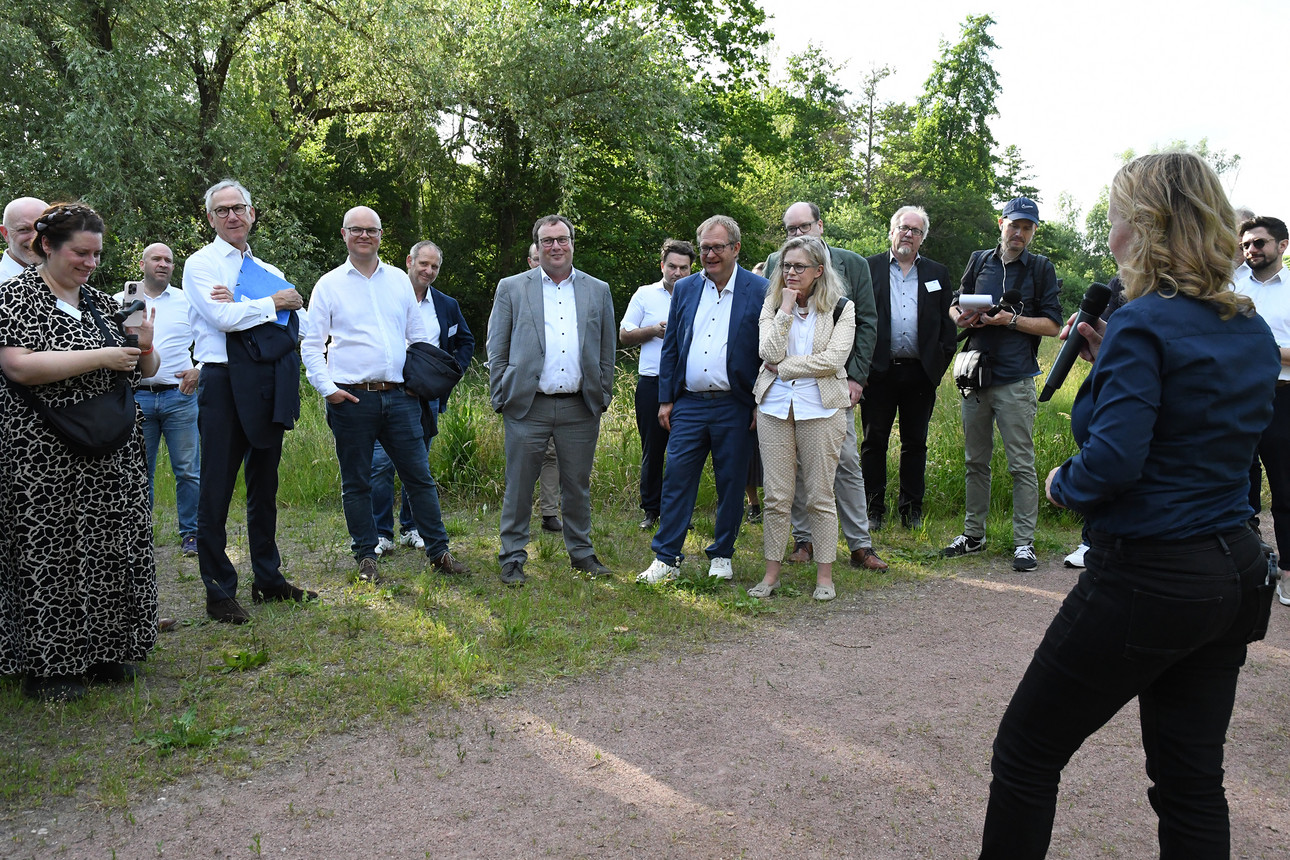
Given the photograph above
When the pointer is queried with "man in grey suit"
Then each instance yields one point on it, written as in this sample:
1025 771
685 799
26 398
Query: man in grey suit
551 341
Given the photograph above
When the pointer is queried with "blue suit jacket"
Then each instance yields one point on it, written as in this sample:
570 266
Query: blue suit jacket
742 360
461 343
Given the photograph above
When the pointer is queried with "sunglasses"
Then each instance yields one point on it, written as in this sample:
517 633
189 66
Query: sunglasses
1256 244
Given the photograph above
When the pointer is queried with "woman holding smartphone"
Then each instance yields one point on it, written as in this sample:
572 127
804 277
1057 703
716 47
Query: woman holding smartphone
802 398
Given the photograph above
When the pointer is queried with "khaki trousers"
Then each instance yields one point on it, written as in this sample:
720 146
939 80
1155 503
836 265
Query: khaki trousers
814 444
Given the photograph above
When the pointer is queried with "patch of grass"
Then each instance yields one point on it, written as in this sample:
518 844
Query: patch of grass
183 733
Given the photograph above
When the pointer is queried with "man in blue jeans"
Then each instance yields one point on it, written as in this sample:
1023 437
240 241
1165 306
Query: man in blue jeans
168 400
362 315
447 330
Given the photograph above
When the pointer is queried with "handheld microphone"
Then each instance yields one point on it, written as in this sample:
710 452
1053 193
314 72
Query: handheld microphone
1095 301
1009 299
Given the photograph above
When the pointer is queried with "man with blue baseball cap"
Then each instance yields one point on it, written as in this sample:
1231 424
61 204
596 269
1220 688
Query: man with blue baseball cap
1009 339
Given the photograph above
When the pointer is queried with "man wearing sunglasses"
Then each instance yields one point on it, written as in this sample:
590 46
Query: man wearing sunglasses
1262 277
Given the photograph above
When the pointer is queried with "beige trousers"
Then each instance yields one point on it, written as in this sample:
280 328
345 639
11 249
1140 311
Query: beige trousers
814 444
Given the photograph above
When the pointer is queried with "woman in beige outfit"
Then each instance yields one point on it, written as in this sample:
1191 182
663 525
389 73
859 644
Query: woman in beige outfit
802 397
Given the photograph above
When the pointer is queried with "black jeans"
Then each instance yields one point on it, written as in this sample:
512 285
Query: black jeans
1274 451
903 388
1167 622
653 444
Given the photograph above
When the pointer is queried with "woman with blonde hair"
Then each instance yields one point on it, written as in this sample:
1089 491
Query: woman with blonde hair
806 333
1175 583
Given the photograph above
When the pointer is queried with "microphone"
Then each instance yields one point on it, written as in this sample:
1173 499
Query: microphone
1095 301
137 305
1009 299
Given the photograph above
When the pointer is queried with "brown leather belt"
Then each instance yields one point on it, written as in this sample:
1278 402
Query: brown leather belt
368 386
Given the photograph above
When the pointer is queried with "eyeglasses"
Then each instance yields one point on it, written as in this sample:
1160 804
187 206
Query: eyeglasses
913 231
799 229
716 249
552 241
223 212
365 231
795 268
1256 244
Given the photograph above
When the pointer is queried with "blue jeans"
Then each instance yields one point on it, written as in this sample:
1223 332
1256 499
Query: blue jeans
174 416
393 419
1166 622
383 492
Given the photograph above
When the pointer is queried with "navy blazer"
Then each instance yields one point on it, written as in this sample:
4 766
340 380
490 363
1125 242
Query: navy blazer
937 334
461 343
742 360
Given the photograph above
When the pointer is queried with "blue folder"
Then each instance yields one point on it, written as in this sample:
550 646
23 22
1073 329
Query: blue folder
256 282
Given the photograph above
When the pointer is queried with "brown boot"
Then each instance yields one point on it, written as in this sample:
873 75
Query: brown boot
866 558
803 551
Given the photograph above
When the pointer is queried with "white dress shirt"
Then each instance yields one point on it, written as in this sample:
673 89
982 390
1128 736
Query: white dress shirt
705 367
9 267
172 335
429 317
802 395
649 306
1272 301
562 365
213 265
360 327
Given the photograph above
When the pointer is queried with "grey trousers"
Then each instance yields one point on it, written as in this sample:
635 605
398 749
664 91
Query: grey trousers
848 493
574 429
549 483
1012 408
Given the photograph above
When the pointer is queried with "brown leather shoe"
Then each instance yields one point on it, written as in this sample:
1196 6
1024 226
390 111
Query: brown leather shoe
449 566
165 625
227 611
803 551
369 571
866 558
285 593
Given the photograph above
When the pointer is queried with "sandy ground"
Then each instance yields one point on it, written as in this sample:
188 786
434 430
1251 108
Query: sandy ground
858 729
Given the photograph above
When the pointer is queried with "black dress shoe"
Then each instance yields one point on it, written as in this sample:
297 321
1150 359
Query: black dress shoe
282 593
590 565
112 673
876 521
912 519
649 522
513 573
227 611
552 524
55 688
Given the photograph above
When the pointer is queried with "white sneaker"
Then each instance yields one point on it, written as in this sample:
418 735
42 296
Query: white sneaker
658 572
412 538
1076 558
384 545
1281 592
721 569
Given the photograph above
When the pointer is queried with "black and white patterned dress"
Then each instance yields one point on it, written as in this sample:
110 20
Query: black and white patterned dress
78 581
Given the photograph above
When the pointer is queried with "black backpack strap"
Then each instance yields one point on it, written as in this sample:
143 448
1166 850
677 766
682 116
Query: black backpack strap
837 309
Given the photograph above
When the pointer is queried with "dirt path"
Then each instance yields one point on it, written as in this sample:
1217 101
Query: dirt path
860 729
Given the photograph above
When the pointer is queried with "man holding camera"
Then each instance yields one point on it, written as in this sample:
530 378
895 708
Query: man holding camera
1009 337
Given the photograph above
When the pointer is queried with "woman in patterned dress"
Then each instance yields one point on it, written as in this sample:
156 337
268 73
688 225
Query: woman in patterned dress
78 583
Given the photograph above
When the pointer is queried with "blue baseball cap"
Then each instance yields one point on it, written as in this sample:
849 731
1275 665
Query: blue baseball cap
1020 208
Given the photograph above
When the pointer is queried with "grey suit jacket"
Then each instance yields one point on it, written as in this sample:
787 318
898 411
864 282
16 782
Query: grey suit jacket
517 341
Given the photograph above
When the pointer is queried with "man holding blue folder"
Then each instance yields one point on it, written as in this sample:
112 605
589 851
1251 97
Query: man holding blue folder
247 398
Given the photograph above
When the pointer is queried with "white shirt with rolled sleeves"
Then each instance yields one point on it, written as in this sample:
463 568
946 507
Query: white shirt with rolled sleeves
649 306
360 327
562 364
214 265
1272 302
706 369
172 336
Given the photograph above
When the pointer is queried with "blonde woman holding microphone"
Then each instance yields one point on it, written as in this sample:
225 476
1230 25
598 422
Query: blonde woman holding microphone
806 332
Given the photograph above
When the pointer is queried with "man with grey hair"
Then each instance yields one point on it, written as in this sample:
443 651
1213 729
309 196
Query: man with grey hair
706 374
362 316
916 342
551 340
446 329
804 219
18 229
248 396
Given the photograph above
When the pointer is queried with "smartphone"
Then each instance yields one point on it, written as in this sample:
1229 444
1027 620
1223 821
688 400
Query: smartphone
133 292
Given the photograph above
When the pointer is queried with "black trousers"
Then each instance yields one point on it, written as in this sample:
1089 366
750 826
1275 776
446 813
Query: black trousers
903 388
653 443
224 450
1166 622
1274 451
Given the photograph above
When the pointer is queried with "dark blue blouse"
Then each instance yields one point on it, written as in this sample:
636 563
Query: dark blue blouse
1169 419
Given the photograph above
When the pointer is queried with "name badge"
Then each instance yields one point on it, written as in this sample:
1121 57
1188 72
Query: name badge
452 330
67 309
933 286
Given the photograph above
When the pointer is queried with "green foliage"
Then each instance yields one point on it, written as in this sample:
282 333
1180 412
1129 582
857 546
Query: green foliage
183 733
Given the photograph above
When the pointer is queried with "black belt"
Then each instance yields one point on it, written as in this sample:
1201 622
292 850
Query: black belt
906 361
156 387
708 395
562 394
1282 383
1102 540
214 364
368 386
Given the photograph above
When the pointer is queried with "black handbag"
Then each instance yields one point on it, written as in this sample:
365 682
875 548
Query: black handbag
94 426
